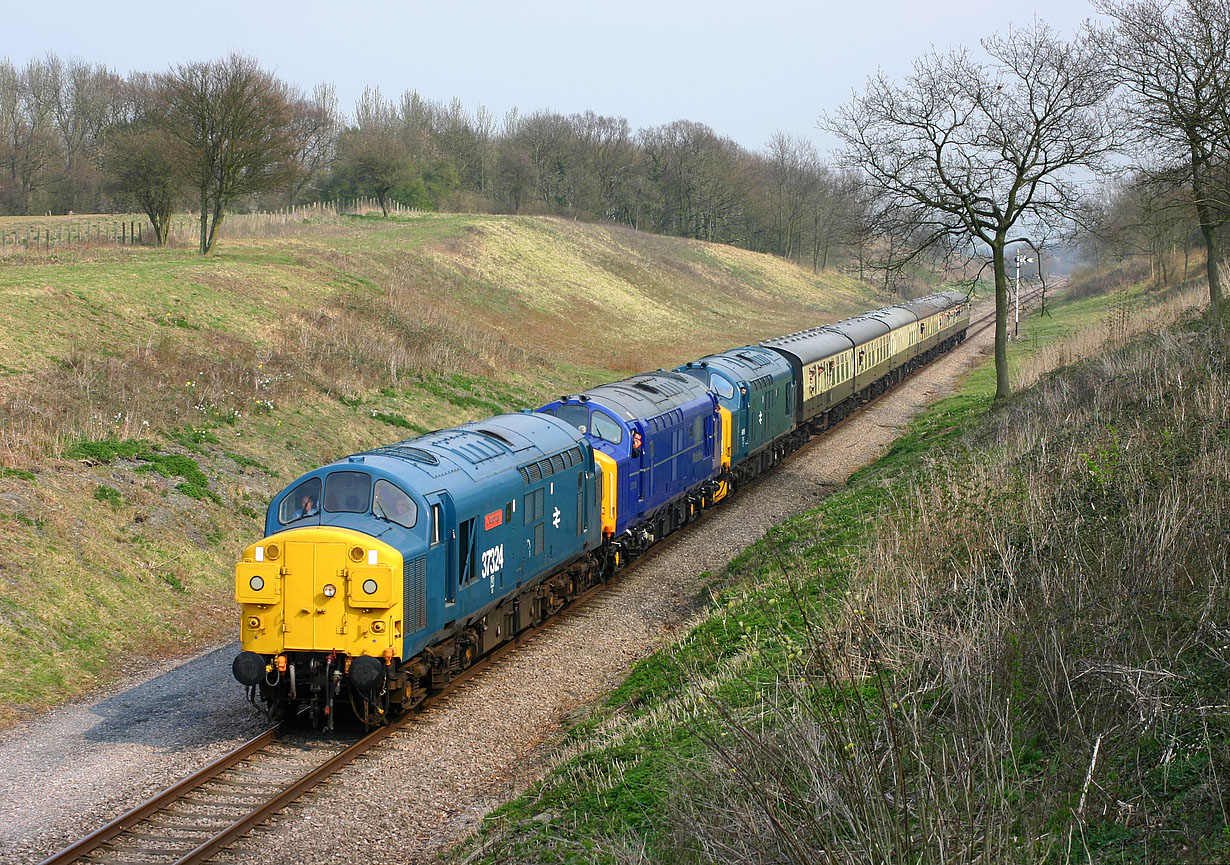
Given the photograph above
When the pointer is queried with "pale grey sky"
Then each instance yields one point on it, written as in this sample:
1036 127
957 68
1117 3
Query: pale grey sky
745 69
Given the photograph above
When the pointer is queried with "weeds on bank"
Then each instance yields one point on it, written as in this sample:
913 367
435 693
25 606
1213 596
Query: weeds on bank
194 485
1006 642
1031 665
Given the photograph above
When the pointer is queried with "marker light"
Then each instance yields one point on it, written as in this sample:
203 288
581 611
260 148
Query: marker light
330 590
371 557
260 554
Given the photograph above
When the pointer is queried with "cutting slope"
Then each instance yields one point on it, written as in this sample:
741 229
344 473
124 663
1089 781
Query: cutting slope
151 401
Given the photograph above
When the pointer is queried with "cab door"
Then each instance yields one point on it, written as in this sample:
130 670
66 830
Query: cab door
638 476
442 552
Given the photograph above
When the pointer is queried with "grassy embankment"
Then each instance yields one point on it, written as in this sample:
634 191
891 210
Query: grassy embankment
1006 641
151 401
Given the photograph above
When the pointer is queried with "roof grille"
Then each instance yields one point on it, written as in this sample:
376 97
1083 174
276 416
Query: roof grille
416 454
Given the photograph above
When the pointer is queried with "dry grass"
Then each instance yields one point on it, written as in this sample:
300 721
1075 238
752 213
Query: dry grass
25 237
161 384
1031 664
365 341
1123 323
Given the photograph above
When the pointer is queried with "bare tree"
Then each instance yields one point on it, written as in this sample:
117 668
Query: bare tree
1175 59
700 178
836 211
316 122
89 101
1147 215
27 100
793 175
233 128
140 168
967 154
516 173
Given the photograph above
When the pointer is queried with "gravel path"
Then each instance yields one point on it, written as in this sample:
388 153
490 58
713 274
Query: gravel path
432 783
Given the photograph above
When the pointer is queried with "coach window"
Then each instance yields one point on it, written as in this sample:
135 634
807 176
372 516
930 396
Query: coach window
303 502
606 427
348 492
392 504
576 415
721 386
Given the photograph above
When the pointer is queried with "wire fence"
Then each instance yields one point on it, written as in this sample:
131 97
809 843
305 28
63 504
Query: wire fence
51 232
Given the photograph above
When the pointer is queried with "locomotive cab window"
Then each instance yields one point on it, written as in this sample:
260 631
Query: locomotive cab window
577 415
348 492
606 427
393 504
721 386
303 502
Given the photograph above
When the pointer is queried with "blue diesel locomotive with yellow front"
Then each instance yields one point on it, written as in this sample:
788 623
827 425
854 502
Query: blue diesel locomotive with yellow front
383 575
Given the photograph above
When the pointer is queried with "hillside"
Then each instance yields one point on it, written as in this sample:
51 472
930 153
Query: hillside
151 401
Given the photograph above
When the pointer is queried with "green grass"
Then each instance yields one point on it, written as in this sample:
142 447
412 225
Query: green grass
167 465
398 421
110 495
192 438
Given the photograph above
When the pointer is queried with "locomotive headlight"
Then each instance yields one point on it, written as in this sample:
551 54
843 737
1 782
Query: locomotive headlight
369 586
330 590
257 583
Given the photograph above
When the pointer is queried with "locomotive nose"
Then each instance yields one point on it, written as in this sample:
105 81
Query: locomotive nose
248 668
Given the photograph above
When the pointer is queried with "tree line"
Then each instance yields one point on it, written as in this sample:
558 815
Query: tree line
75 136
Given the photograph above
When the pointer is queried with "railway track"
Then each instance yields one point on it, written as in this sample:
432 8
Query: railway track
203 814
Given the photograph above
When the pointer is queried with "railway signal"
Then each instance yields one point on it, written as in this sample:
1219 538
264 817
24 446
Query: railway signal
1016 324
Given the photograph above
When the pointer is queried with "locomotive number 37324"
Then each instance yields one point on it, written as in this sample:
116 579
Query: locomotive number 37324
493 561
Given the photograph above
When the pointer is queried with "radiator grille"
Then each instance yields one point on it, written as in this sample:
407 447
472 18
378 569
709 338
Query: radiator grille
415 573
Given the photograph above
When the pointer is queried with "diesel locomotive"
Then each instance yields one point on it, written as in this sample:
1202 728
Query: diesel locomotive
385 574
